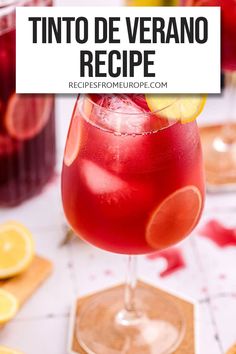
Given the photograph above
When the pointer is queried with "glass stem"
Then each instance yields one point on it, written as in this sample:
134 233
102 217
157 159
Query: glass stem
131 283
226 139
130 315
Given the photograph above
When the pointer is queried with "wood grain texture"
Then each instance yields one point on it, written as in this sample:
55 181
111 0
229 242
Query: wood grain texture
232 350
188 344
24 285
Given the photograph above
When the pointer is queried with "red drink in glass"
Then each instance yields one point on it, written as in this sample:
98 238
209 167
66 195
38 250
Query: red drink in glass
121 173
132 183
27 125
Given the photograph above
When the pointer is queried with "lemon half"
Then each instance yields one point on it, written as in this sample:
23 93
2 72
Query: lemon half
16 249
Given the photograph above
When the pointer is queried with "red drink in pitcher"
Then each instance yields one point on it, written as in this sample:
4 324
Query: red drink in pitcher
228 10
132 183
27 125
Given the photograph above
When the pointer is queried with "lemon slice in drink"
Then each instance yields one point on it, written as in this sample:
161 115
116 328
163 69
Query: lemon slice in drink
16 249
174 218
27 115
180 108
73 142
8 307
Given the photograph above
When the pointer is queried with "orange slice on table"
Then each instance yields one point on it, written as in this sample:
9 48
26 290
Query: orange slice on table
185 109
8 307
27 115
16 249
73 141
174 218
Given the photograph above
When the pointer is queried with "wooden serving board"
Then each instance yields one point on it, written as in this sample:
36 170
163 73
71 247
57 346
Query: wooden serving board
232 350
188 345
24 285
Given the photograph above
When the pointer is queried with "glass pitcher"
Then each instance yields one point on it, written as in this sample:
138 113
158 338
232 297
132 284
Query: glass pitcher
27 122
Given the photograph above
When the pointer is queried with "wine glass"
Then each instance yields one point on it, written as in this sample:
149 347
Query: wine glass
132 183
219 142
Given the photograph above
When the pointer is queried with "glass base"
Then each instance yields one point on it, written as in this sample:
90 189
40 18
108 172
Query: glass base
104 327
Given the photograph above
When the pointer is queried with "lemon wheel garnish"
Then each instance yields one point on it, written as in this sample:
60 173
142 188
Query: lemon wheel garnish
16 249
174 218
8 306
180 108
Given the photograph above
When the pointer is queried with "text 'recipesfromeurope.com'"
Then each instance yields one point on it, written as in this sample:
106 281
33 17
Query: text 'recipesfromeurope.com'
118 84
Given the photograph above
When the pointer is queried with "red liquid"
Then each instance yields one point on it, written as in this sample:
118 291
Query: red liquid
219 234
27 129
174 260
228 8
116 181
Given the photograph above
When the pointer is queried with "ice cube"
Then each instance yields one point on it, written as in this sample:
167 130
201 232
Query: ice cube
120 114
116 197
100 181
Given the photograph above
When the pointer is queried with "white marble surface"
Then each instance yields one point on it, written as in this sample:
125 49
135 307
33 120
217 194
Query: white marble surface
41 327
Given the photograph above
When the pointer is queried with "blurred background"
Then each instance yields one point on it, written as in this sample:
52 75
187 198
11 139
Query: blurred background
201 268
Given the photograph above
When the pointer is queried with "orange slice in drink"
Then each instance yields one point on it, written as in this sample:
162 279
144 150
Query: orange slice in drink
73 142
181 108
27 115
174 218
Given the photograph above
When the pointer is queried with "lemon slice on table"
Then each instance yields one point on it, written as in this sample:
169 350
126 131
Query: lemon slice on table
174 218
4 350
152 2
16 249
8 306
180 108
